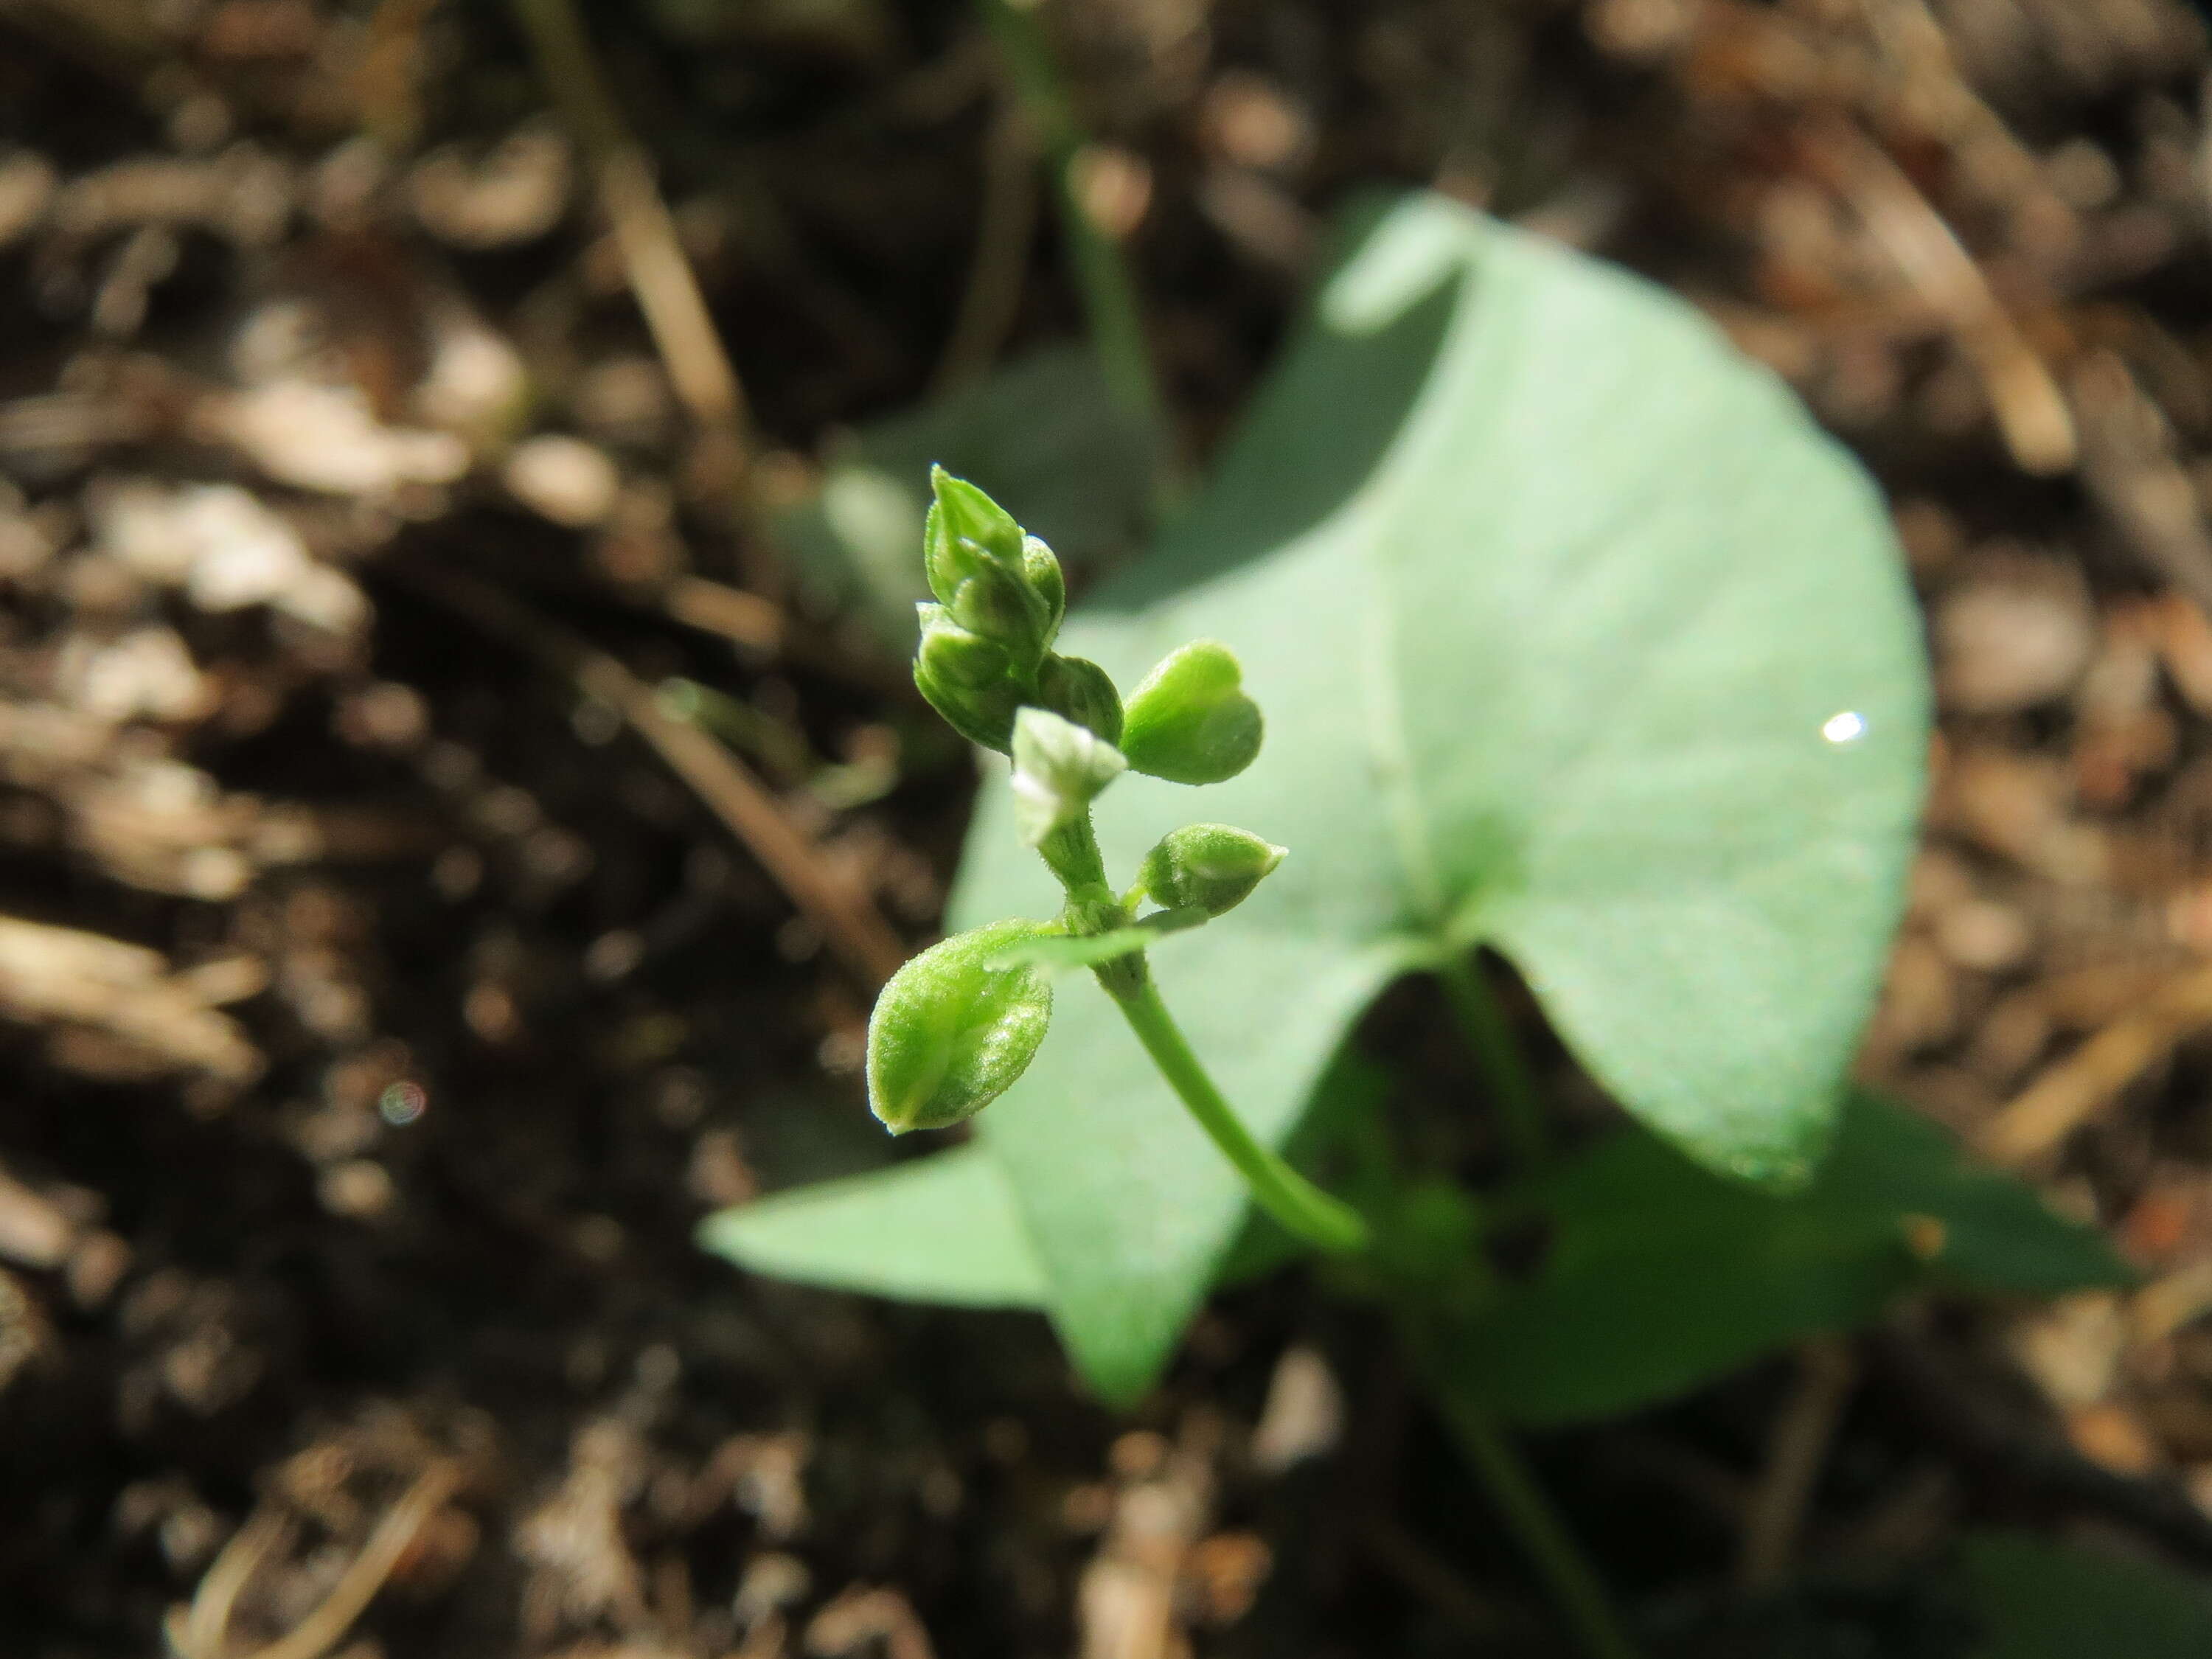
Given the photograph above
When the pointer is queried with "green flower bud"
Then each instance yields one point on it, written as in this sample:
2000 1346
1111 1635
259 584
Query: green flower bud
965 531
1001 605
1206 866
1190 721
967 678
1081 692
954 1029
957 656
1059 770
1042 569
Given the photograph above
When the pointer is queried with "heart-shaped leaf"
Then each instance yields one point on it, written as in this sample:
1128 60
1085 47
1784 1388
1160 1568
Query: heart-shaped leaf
1573 636
937 1229
1661 1275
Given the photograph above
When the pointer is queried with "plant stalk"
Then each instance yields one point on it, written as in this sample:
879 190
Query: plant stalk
1329 1225
1543 1537
1483 1022
1102 274
1302 1209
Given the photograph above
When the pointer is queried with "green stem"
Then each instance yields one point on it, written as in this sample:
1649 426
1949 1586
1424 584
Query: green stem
1110 294
1537 1526
1311 1214
1302 1209
1482 1022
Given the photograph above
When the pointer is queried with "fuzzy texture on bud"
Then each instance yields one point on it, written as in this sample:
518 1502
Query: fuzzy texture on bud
1060 767
1078 689
1212 867
1190 721
954 1029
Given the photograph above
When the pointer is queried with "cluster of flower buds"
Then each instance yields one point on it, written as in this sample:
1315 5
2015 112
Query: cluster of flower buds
986 651
959 1023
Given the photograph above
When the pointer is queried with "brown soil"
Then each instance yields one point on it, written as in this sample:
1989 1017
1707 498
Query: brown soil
389 985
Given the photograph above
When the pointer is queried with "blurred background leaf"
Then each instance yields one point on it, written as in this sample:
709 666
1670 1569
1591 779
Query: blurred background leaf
2037 1601
1661 1275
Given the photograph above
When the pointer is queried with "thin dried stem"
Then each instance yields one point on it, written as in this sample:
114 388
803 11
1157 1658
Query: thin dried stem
202 1632
666 288
847 917
2030 410
323 1629
658 271
1796 1448
2073 1090
199 1634
1006 227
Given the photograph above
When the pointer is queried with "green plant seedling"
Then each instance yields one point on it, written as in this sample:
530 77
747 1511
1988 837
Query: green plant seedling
958 1025
1576 641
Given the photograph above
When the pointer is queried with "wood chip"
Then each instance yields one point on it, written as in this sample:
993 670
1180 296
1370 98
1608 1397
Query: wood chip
61 977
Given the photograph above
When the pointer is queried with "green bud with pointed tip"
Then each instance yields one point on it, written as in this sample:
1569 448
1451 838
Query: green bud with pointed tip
1041 568
1079 691
954 1029
1212 867
1000 605
967 678
1060 767
1190 721
965 531
995 580
957 655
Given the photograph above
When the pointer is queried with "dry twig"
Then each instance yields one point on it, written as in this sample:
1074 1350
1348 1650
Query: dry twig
199 1633
2031 411
1794 1451
2076 1087
714 607
63 977
660 275
1006 227
658 270
846 915
2130 461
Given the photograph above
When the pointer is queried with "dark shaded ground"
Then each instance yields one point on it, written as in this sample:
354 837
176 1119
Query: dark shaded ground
383 1010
